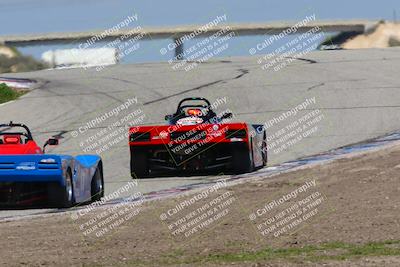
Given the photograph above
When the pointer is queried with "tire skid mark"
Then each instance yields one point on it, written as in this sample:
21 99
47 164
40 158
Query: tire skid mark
197 88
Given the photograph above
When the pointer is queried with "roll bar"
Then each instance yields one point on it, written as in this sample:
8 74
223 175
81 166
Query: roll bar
11 124
192 99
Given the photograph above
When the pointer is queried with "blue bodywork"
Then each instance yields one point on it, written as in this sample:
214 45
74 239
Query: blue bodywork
51 168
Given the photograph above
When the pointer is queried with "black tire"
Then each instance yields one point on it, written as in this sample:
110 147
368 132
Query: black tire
241 160
264 151
62 196
139 163
97 184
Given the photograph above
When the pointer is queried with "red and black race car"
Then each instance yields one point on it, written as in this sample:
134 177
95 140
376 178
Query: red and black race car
197 140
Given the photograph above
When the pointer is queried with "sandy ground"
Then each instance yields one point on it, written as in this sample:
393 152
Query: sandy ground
340 207
385 35
6 51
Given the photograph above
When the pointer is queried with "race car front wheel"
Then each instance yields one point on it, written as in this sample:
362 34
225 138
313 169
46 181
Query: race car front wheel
139 163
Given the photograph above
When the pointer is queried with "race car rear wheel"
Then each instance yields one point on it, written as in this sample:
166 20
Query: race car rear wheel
242 160
97 184
62 196
139 163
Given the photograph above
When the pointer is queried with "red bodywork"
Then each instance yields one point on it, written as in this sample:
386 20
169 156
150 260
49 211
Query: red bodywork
12 146
28 193
201 147
163 135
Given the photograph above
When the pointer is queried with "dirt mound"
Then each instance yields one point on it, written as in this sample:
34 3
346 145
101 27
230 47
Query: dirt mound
385 35
11 61
8 51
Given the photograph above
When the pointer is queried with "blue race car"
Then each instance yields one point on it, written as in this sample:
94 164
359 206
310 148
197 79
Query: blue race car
28 176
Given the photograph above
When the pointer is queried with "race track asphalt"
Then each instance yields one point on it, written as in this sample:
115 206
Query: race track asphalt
357 91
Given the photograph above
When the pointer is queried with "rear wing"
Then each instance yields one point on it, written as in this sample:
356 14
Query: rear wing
201 133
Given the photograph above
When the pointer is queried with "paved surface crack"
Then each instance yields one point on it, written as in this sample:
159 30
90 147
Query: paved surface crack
315 86
311 61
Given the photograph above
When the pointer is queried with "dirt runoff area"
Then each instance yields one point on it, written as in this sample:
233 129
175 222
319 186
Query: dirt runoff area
345 213
385 35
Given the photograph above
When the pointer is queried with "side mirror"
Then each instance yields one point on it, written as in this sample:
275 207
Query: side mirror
50 142
227 115
168 117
